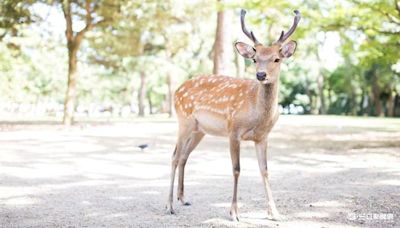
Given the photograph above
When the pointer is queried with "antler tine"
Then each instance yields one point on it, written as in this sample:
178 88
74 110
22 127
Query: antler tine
244 29
284 36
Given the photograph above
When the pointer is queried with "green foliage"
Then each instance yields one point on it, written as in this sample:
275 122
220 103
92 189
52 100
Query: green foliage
347 56
12 14
31 76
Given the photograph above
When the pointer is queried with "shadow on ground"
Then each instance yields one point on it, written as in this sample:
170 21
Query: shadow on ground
325 172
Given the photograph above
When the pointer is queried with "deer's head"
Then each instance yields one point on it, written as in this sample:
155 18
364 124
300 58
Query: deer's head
268 58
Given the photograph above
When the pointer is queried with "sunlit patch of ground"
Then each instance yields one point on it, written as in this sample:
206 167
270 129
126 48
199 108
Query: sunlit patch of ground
325 172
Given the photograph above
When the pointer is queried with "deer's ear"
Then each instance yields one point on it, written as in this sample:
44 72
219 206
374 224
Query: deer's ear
288 49
245 50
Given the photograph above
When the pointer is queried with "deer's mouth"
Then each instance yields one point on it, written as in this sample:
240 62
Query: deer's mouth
266 81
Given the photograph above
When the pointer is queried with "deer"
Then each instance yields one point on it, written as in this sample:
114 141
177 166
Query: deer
237 108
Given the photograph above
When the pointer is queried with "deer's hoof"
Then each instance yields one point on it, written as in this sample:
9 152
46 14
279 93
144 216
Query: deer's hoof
234 216
184 203
169 210
275 217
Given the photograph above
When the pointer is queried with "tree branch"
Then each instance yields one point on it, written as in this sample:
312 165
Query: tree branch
66 8
89 25
3 35
391 17
361 28
88 13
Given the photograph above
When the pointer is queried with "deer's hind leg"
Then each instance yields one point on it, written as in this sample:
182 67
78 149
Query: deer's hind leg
194 140
185 131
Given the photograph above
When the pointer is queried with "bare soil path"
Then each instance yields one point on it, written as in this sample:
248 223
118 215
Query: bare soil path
325 172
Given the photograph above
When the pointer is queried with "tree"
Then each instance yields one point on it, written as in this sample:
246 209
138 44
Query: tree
30 62
162 36
222 45
370 31
73 9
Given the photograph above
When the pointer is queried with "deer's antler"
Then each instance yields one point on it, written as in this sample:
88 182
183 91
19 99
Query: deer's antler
284 36
244 29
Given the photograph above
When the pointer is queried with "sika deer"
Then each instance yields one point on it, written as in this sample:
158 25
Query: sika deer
240 109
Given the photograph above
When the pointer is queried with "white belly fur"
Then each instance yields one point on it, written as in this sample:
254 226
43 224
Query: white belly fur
211 124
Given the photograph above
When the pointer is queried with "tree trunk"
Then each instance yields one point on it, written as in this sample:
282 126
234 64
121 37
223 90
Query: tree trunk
132 102
396 105
70 97
150 103
329 98
322 107
141 94
320 79
239 63
390 103
366 105
220 48
169 95
353 104
363 103
73 43
376 94
311 100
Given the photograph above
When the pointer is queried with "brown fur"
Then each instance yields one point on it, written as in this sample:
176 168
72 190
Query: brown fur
240 109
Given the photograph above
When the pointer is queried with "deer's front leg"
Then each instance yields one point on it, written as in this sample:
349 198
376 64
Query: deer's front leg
235 156
261 149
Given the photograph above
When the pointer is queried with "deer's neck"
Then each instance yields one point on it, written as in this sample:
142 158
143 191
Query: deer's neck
268 99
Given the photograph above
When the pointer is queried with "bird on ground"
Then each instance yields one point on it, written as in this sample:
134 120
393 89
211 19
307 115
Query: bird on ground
143 146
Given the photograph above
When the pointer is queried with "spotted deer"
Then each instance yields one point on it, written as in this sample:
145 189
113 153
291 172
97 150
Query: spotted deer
237 108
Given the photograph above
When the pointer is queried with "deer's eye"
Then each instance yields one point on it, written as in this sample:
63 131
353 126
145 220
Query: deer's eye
277 60
254 61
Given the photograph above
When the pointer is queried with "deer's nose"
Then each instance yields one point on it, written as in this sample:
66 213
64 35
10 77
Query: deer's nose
261 76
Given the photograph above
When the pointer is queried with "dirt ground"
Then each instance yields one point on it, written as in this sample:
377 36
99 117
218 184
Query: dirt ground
324 172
